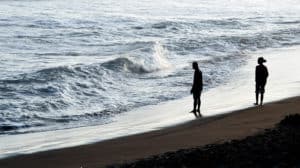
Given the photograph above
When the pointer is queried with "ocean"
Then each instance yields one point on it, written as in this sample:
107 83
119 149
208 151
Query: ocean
77 63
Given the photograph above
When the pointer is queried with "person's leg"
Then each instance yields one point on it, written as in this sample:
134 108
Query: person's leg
256 96
195 105
262 90
256 93
195 102
261 98
199 104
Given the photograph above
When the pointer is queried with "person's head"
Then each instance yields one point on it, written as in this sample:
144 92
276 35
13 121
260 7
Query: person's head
195 65
261 60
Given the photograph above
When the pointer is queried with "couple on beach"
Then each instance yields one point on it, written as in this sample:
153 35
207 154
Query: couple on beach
261 75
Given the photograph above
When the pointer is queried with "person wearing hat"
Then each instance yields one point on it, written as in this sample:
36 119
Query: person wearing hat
261 75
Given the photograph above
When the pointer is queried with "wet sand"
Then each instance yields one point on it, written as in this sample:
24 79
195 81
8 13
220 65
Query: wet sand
217 129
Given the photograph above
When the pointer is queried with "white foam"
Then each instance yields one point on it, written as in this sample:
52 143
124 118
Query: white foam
284 81
157 60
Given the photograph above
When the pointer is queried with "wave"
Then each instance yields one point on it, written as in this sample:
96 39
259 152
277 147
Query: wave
288 22
40 122
8 128
225 44
162 25
125 64
243 39
203 24
153 60
71 94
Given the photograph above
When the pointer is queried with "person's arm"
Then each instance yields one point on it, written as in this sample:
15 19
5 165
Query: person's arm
201 80
256 74
267 73
193 86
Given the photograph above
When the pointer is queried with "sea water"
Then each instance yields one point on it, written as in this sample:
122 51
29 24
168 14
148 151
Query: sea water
71 64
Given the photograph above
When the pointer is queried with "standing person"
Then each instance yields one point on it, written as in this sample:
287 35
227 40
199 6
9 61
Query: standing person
197 89
261 75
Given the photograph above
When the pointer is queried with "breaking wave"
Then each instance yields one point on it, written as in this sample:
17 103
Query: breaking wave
68 94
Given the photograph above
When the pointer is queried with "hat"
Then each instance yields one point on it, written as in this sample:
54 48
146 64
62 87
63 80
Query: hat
261 60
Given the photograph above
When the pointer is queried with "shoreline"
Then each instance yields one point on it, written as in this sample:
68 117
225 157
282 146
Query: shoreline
211 130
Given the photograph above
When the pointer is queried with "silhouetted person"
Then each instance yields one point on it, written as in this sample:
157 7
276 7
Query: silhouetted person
197 89
261 75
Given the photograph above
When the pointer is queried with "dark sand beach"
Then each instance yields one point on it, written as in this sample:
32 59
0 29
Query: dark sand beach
275 147
213 130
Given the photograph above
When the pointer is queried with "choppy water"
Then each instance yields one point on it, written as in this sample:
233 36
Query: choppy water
75 63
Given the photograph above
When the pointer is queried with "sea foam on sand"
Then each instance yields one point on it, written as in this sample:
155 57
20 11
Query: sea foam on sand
283 82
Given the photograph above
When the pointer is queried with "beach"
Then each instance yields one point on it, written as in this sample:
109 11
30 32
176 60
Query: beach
97 83
234 95
168 126
217 129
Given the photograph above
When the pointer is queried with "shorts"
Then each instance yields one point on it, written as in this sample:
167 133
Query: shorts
260 87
